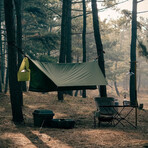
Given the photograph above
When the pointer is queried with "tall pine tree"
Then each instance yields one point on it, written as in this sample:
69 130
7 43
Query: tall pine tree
15 90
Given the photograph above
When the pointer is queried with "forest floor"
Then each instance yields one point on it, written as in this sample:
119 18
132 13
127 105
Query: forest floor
83 135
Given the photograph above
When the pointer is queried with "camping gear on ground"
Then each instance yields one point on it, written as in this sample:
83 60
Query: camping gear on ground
126 102
62 123
45 77
105 112
42 118
116 102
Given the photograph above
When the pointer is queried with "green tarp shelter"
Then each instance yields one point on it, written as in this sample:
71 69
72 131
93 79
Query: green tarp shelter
45 77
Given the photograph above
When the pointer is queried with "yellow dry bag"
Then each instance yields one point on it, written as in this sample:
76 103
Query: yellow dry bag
24 71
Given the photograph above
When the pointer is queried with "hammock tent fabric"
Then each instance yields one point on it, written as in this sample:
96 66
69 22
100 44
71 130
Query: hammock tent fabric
45 77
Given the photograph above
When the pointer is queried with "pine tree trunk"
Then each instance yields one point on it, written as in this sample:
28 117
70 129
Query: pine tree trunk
133 89
115 82
76 93
19 36
1 62
6 82
139 79
63 41
84 40
18 6
15 89
68 32
68 38
63 34
5 57
99 45
116 88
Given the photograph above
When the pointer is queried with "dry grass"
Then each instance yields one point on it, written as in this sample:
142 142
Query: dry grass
82 136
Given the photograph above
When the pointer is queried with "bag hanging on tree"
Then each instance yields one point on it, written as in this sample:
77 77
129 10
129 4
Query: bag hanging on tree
24 71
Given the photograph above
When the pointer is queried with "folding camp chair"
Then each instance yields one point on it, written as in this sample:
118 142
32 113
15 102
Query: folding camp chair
105 112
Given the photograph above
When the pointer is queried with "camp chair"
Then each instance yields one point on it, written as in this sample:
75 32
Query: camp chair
105 112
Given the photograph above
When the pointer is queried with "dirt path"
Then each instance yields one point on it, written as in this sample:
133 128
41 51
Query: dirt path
82 136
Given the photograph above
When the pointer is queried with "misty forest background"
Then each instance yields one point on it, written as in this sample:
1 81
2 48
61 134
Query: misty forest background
37 32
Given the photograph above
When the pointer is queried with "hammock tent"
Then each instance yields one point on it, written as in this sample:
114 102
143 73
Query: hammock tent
45 77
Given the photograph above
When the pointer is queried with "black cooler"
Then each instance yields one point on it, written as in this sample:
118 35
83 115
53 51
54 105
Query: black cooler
62 123
42 117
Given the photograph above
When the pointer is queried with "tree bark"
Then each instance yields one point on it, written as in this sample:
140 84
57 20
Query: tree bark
115 82
63 41
116 88
68 38
5 55
133 89
63 34
68 33
84 40
6 82
18 6
139 80
99 45
65 50
15 91
19 37
1 60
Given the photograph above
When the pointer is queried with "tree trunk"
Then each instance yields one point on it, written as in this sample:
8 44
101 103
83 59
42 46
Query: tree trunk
99 45
84 40
139 80
18 6
1 60
76 93
116 88
115 82
63 35
68 37
19 36
68 32
63 41
15 90
6 82
133 90
4 56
